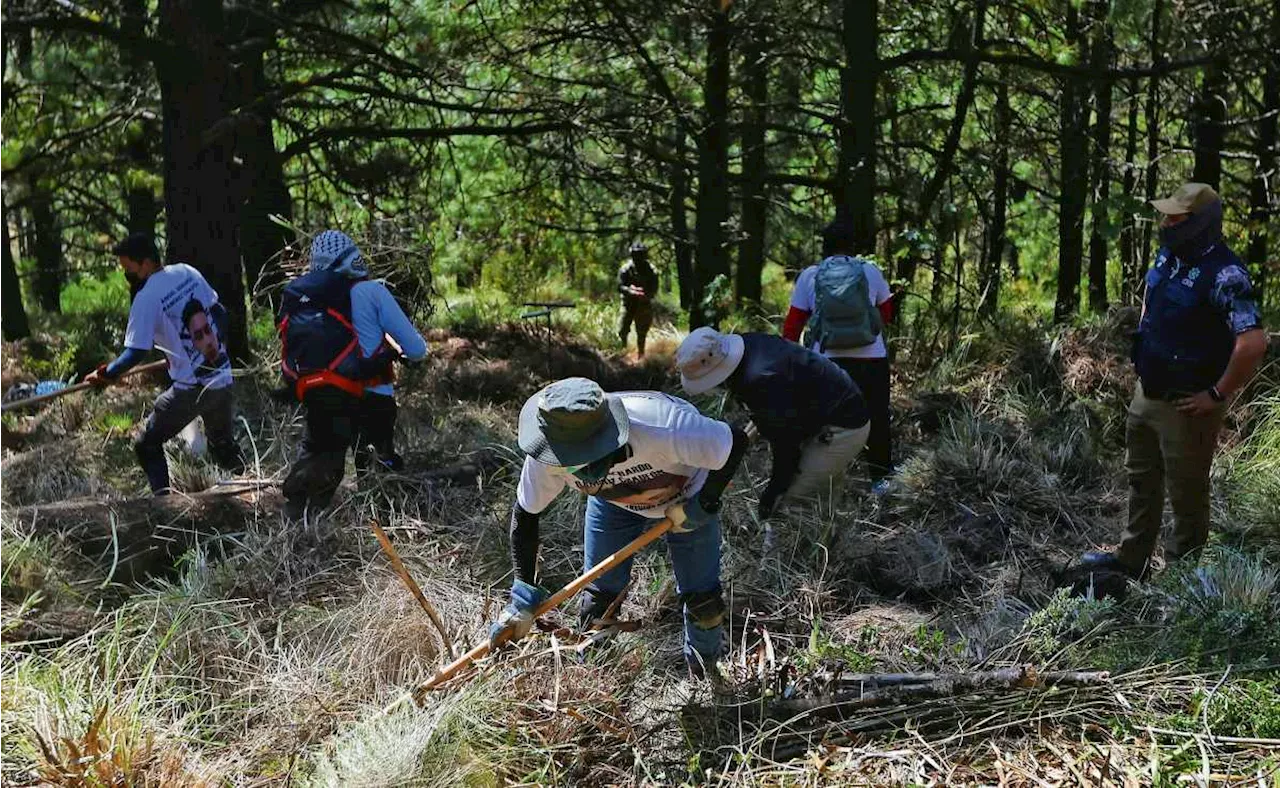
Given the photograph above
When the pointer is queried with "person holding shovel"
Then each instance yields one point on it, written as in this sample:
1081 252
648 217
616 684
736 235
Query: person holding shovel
175 310
807 407
639 456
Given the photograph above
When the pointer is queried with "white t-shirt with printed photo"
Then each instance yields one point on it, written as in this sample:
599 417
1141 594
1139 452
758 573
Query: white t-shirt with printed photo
172 313
804 297
672 448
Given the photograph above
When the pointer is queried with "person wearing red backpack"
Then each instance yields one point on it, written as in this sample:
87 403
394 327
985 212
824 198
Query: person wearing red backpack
850 303
335 357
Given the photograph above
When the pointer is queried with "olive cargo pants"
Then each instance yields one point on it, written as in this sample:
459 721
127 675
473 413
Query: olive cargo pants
1167 451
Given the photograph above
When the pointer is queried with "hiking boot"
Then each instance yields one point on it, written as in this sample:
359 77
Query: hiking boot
1102 561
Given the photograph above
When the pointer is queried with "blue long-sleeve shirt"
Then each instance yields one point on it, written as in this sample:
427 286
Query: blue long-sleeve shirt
375 313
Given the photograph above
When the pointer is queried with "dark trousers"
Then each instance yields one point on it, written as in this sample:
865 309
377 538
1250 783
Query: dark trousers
872 376
641 312
336 421
174 410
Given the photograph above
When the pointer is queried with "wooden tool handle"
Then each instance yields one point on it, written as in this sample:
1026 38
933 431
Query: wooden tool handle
554 601
23 403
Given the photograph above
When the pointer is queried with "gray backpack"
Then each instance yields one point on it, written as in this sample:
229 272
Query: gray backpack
843 317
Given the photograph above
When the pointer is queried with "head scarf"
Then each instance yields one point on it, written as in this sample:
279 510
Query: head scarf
335 251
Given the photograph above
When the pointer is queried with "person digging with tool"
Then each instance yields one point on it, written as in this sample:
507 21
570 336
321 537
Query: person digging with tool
807 408
1199 342
336 359
638 284
846 302
639 456
174 309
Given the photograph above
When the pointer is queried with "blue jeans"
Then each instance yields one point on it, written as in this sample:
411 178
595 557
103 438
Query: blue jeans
695 559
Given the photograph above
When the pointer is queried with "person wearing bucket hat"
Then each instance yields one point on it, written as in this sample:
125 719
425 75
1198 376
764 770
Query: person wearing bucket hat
639 456
1199 341
807 408
336 358
638 284
850 303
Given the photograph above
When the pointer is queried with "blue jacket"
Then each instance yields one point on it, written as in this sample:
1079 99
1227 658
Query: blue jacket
1187 333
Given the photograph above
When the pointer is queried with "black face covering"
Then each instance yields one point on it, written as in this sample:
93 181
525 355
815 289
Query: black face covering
1192 237
135 284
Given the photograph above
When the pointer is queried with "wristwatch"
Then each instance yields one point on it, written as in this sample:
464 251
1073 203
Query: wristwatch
1216 395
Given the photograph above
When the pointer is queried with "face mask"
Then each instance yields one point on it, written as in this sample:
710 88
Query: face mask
596 470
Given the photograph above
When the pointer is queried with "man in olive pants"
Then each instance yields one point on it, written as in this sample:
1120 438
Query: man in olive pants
1199 341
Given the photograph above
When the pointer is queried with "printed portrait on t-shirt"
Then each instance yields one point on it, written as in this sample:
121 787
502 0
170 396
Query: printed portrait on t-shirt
200 339
636 486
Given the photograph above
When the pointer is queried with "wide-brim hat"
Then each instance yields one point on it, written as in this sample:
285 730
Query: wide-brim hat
706 358
572 422
1189 198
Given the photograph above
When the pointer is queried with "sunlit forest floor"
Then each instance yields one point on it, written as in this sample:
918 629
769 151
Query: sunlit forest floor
268 654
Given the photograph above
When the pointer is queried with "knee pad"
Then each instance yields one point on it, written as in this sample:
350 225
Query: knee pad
705 609
594 605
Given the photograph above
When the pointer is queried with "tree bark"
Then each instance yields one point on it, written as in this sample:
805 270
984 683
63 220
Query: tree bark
679 209
1262 188
48 249
713 166
1151 121
139 150
755 168
1210 115
264 191
13 315
197 99
1098 247
1129 234
1074 179
996 232
856 176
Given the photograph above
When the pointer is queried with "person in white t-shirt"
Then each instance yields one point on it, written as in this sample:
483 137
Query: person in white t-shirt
639 456
176 311
867 364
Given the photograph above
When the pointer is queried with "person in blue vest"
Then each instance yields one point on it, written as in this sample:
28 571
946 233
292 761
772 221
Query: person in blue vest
334 326
1199 341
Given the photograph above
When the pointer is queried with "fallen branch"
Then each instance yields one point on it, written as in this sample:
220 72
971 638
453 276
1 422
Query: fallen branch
893 689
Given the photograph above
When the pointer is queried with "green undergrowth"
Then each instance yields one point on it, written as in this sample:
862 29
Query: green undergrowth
270 654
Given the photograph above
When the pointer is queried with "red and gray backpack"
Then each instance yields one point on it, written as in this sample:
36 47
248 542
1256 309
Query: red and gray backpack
318 342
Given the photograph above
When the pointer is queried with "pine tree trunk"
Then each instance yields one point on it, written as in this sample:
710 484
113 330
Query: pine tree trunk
48 250
197 99
1151 121
755 167
999 201
679 210
139 149
1262 193
1098 247
713 167
13 315
1129 234
264 190
1210 115
1074 181
857 130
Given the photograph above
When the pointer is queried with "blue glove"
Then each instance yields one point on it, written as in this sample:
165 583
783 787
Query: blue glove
517 616
690 515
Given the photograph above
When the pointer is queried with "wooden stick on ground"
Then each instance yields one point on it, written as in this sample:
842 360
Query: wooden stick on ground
23 403
556 599
413 587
